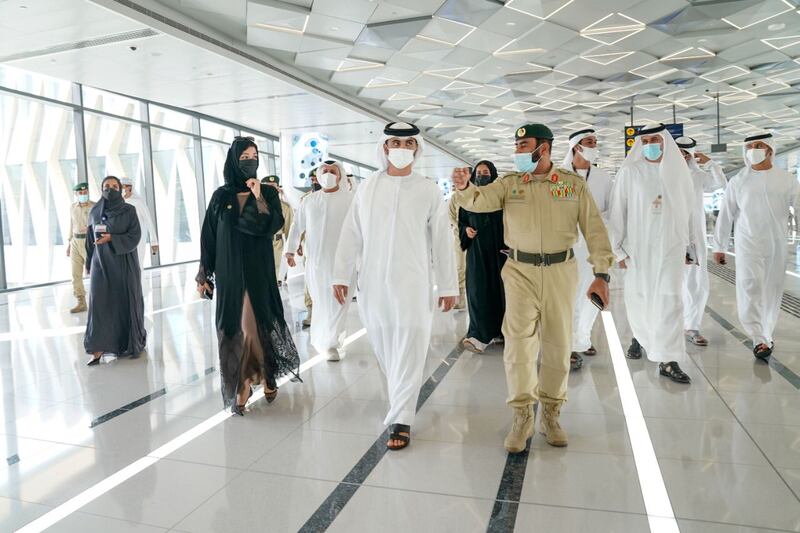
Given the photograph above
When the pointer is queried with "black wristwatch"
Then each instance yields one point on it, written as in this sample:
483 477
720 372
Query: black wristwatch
605 277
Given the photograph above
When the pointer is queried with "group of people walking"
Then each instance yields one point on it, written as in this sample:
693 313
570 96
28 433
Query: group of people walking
537 246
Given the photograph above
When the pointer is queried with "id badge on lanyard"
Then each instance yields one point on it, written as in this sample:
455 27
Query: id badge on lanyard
101 228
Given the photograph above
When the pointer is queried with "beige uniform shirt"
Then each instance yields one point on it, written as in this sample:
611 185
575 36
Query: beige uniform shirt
542 213
454 216
79 218
288 216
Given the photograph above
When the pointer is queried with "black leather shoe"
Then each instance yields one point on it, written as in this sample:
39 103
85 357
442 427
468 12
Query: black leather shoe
94 362
634 350
764 353
673 372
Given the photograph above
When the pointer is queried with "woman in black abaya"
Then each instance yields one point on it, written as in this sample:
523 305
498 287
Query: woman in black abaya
236 259
482 237
116 305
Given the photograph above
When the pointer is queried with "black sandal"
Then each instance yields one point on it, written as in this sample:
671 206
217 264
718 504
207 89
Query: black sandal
764 352
270 395
575 361
634 350
591 352
238 410
395 433
673 372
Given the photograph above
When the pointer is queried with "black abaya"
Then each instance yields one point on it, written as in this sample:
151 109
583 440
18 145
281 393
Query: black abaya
116 305
485 293
236 254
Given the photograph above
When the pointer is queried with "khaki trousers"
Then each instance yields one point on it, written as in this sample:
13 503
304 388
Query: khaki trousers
77 255
539 306
461 263
277 252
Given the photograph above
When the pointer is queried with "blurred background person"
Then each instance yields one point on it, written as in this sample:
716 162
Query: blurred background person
481 236
279 241
236 255
145 220
116 307
76 247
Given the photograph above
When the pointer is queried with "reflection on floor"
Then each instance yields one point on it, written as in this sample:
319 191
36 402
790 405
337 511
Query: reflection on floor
728 446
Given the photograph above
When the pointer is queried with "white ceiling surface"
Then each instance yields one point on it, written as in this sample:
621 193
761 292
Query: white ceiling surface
469 72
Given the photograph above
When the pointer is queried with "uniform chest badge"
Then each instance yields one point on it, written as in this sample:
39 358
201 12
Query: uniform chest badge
561 189
517 194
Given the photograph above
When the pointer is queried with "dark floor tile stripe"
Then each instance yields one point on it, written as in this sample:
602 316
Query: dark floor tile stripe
787 373
506 504
327 512
102 419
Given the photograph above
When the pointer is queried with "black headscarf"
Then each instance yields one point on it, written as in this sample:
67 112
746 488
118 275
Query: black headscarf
492 172
234 177
111 207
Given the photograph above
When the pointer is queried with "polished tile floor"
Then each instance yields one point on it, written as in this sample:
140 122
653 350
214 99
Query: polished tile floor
727 447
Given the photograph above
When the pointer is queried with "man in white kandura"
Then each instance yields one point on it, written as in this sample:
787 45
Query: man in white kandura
321 217
707 176
756 204
145 221
650 223
580 157
397 236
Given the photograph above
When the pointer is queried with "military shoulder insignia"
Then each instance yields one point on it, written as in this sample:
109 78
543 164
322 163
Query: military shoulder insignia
554 178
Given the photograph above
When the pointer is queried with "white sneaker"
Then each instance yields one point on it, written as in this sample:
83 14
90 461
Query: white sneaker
474 345
333 355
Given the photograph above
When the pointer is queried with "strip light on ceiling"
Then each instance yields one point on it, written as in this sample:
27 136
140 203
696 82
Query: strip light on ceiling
590 32
703 54
606 59
361 64
284 29
510 5
435 40
501 51
789 7
716 76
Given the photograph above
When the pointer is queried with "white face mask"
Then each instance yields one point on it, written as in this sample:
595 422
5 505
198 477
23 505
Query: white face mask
756 155
589 154
583 172
401 157
327 180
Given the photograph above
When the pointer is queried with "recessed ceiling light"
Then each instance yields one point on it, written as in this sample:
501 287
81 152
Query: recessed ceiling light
511 23
334 28
777 26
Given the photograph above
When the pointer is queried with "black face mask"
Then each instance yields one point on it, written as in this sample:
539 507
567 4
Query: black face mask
111 194
480 181
249 167
315 186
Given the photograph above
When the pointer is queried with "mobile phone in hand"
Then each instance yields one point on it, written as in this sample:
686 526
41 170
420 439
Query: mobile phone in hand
597 301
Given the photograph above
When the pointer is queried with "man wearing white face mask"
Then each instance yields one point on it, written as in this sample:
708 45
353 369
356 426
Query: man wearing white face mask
397 236
757 202
707 176
650 223
320 217
580 157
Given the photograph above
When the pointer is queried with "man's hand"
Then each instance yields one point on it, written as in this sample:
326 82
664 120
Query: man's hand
599 287
300 250
446 303
68 250
622 264
290 260
104 238
154 249
719 258
460 178
701 158
255 187
471 233
340 293
202 288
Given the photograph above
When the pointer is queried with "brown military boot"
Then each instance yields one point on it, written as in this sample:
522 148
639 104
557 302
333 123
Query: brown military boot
81 306
521 429
550 427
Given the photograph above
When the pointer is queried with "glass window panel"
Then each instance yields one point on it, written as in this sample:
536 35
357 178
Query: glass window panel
37 173
168 118
214 154
175 186
111 103
113 148
265 144
36 84
218 132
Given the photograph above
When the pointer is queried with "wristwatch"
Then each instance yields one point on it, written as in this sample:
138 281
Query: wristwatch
605 277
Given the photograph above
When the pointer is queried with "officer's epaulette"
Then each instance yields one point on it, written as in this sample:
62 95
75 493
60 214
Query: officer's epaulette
512 175
569 172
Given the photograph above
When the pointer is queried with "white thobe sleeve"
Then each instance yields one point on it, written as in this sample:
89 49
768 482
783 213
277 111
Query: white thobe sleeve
146 222
728 212
298 227
351 244
442 253
618 216
714 177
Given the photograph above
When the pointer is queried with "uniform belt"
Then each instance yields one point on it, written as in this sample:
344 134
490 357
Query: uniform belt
78 235
541 259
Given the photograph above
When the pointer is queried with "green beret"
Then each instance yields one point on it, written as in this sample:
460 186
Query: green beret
271 179
534 131
80 186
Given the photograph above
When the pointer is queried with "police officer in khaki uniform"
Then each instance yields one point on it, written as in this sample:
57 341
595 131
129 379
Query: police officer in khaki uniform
461 256
76 248
280 237
543 207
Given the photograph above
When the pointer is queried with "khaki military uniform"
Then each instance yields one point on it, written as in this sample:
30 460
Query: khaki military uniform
541 215
461 255
78 222
281 237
